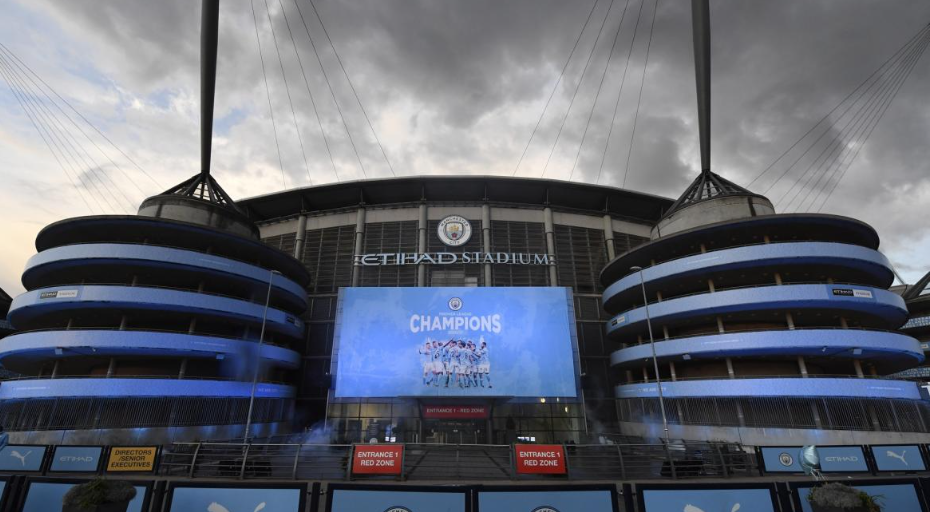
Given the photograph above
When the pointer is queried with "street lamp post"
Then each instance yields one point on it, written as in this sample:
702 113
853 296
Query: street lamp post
258 357
652 343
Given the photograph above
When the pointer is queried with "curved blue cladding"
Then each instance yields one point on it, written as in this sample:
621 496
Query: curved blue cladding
755 256
889 347
854 299
775 387
42 344
36 303
128 387
72 256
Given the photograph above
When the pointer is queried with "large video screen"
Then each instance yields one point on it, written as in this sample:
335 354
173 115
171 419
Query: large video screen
892 497
513 342
708 500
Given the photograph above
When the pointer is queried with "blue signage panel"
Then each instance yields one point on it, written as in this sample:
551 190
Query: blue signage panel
708 500
76 459
22 458
346 500
47 496
226 499
514 342
557 501
904 457
842 459
892 497
782 459
833 459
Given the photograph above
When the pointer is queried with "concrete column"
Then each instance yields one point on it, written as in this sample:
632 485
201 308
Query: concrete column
359 240
778 279
111 369
665 332
710 286
486 239
192 327
550 245
183 370
301 236
645 374
790 321
122 323
858 365
720 328
843 323
609 237
802 366
671 369
54 370
421 244
730 368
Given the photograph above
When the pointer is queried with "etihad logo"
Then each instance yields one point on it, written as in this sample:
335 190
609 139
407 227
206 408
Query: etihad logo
451 258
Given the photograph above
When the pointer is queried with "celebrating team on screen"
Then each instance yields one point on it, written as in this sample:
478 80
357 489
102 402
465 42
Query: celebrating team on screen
460 363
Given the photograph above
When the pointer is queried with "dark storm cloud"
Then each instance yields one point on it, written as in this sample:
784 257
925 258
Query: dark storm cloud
457 86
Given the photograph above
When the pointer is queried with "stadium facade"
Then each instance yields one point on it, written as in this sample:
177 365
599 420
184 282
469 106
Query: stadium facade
145 328
771 329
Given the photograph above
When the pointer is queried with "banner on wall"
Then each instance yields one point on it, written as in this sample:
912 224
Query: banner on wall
24 458
378 459
76 459
396 500
455 412
832 459
132 459
455 342
903 457
725 499
546 459
545 500
237 499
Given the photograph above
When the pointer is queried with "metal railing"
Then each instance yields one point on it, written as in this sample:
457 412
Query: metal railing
457 461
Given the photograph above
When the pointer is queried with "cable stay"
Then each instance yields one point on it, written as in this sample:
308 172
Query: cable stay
613 118
639 100
841 126
600 85
274 126
287 89
303 73
35 76
577 87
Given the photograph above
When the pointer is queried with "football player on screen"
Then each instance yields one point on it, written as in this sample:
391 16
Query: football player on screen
426 361
436 363
484 363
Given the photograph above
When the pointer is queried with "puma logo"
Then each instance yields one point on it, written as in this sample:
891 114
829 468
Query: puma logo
692 508
21 457
216 507
896 456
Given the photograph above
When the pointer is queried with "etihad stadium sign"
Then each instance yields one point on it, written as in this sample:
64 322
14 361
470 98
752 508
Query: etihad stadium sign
451 258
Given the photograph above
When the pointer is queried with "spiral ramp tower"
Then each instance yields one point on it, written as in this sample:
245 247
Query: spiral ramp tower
769 329
917 298
145 328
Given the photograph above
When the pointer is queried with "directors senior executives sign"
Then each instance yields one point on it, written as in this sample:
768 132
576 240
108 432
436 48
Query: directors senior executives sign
455 342
449 258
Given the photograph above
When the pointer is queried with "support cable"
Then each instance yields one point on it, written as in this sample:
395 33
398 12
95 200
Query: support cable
626 66
331 92
274 126
287 88
80 152
303 72
577 87
352 86
868 123
555 87
843 174
99 132
851 125
67 150
894 56
45 140
599 86
639 100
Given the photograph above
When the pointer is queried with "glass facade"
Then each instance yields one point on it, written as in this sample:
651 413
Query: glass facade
580 252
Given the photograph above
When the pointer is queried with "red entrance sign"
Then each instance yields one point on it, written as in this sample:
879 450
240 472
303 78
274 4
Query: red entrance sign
378 459
546 459
455 412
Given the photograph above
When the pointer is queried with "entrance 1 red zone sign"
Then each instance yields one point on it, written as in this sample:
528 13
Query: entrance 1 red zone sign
546 459
378 459
455 412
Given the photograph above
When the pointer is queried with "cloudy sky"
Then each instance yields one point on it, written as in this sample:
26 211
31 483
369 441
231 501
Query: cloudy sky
457 87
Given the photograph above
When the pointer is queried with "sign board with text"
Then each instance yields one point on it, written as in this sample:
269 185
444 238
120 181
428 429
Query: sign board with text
833 459
378 459
903 457
76 459
536 459
455 412
140 459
